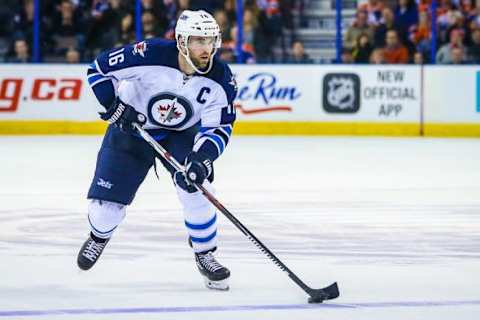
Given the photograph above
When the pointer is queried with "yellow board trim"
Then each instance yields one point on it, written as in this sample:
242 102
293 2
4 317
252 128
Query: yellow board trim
452 130
327 128
52 127
262 128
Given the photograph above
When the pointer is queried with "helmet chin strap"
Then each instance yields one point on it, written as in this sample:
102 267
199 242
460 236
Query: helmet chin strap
190 62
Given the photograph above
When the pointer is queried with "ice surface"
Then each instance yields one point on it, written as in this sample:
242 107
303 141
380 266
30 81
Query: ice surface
395 221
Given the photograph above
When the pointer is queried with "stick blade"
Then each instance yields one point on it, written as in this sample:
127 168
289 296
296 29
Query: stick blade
327 293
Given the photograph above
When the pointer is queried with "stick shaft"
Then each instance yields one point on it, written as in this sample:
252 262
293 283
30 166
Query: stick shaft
167 156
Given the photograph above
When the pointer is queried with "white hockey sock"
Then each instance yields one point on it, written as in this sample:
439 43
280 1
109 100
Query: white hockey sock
104 217
200 219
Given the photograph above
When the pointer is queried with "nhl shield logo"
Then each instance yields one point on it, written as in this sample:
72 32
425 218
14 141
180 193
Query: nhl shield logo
341 93
169 111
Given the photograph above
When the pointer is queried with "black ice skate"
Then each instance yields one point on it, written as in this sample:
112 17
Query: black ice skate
90 252
215 275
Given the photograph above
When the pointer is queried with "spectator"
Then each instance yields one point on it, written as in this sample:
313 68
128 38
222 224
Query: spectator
459 23
387 23
72 56
447 17
447 13
420 34
474 49
444 55
377 56
23 20
158 10
225 26
6 30
346 56
173 8
127 33
104 25
374 10
395 51
249 26
21 52
360 26
362 50
467 7
418 58
149 26
23 25
269 30
67 20
406 15
458 55
227 55
229 7
298 55
6 21
248 54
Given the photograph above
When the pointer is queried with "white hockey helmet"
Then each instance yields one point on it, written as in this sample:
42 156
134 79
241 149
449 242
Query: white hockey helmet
197 23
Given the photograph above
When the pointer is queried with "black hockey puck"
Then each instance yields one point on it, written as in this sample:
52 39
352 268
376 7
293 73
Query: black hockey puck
315 300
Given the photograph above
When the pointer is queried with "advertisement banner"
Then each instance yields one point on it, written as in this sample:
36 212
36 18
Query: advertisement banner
46 92
329 93
285 99
284 93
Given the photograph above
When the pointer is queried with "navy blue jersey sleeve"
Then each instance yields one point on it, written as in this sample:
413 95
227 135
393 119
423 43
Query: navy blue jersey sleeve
118 64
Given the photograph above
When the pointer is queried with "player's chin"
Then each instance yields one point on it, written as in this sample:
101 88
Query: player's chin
203 63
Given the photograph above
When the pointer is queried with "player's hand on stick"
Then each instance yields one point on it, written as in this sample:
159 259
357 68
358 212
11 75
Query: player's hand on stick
198 167
123 116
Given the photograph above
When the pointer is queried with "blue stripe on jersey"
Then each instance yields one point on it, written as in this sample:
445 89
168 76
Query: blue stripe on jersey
201 226
228 129
205 239
213 140
94 78
222 134
205 129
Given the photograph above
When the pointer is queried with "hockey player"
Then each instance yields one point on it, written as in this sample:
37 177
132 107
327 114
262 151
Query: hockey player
183 96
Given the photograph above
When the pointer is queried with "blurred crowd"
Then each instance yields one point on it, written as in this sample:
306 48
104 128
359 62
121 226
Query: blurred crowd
384 31
77 30
401 32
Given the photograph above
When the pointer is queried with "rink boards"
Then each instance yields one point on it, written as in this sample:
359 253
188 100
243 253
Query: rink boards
392 100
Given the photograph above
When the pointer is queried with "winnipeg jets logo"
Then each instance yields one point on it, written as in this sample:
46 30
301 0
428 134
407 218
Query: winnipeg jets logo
140 48
168 110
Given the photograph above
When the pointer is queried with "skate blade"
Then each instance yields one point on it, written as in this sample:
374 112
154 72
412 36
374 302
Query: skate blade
221 285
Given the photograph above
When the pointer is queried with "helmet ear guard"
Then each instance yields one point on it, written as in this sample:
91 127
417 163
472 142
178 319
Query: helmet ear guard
196 23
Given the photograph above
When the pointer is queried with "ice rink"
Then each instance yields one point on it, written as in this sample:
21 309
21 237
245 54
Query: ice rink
396 221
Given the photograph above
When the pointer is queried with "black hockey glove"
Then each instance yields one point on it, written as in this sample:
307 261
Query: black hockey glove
198 167
123 116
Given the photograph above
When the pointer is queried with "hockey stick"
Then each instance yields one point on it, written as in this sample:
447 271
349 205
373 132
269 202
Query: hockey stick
316 295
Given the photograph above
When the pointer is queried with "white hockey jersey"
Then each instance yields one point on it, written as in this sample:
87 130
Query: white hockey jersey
146 76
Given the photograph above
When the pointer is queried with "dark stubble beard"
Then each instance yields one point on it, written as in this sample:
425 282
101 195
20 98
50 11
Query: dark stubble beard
198 63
